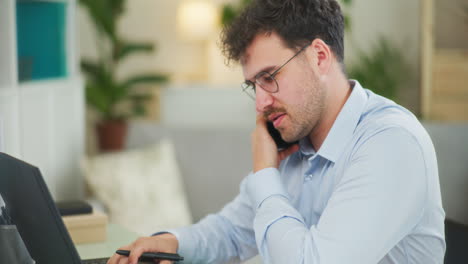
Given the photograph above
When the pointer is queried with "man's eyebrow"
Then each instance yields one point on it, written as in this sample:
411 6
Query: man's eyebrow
264 69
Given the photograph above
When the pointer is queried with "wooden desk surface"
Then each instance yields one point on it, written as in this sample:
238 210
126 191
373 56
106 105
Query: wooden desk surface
117 236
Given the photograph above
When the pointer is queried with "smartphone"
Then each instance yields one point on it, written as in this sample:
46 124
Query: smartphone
275 134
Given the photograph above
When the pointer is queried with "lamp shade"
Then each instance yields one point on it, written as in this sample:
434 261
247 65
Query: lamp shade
196 19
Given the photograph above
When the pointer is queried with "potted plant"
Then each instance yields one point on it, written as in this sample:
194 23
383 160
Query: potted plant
382 68
104 91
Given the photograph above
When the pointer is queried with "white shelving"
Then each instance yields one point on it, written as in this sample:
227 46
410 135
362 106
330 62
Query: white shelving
9 109
43 121
8 66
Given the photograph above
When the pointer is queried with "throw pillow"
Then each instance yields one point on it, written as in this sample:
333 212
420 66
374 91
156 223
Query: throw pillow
142 189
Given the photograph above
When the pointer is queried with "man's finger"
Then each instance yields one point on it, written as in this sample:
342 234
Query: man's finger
290 150
260 119
114 259
135 255
123 260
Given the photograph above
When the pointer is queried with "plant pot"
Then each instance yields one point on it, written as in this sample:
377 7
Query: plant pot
111 135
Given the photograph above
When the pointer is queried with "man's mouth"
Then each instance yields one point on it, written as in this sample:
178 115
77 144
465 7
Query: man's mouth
276 118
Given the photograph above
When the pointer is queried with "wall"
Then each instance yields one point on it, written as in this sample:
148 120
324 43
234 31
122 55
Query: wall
185 61
398 21
155 21
206 107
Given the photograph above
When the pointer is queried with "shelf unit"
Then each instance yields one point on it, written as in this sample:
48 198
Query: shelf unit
8 68
444 60
42 119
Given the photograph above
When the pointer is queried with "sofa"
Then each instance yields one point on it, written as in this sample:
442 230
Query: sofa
214 161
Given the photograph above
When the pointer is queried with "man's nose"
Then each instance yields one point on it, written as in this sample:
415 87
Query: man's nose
263 100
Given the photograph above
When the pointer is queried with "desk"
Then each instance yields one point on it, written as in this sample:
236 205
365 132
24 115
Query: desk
117 236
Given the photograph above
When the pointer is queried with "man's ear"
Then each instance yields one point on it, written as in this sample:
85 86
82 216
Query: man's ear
321 56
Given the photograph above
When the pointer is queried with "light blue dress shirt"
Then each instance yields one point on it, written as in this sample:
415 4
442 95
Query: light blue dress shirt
370 195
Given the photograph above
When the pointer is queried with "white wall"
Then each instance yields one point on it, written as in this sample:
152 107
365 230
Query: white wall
397 20
202 107
156 21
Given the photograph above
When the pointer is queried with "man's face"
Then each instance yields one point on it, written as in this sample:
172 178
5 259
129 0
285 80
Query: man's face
297 107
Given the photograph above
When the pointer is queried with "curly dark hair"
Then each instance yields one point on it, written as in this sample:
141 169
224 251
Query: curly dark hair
297 22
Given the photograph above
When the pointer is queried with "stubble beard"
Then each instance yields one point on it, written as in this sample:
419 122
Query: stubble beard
305 116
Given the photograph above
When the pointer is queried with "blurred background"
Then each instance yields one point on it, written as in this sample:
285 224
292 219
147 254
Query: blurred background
113 100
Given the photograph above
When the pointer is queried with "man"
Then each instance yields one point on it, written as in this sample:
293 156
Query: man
361 186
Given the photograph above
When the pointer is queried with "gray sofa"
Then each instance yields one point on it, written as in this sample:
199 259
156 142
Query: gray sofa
213 161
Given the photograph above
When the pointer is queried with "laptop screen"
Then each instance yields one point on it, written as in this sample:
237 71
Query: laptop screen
33 211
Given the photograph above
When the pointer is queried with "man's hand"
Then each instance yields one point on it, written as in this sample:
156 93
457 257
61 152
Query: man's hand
166 243
264 150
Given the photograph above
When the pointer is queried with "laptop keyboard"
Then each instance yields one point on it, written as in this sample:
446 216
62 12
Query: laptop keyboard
95 261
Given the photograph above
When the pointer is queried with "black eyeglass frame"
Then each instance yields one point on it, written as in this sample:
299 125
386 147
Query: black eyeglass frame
248 84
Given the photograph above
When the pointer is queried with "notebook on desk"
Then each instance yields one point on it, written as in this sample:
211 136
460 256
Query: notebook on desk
35 215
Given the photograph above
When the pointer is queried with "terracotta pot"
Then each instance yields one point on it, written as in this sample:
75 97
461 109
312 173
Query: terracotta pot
111 135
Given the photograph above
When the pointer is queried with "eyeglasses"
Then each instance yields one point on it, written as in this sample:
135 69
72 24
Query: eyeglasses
266 80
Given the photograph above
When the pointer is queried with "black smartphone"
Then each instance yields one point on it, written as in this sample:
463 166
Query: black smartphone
275 134
150 256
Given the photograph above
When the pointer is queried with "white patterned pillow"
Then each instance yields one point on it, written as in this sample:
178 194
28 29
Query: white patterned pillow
142 189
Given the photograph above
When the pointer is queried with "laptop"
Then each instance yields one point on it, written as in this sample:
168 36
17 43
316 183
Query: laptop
35 215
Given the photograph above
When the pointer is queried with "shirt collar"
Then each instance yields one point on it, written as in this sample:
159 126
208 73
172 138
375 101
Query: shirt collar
343 127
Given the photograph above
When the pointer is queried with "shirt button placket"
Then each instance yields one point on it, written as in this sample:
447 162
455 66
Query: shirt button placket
309 175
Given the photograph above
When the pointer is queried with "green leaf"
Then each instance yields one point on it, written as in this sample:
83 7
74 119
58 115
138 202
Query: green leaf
126 49
244 3
101 15
92 70
138 105
347 2
97 99
102 92
382 69
347 22
228 14
145 78
118 7
98 75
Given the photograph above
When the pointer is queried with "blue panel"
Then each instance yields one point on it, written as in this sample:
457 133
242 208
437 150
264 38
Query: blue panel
41 40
